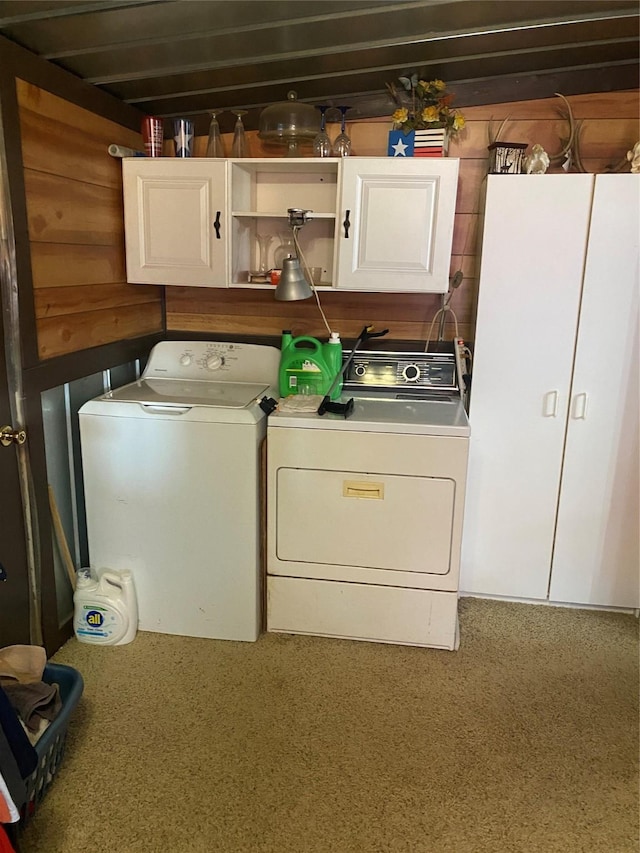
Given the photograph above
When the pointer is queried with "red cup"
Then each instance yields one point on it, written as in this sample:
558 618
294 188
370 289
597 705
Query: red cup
152 131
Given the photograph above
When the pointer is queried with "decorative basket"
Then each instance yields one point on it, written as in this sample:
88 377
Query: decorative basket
506 158
51 745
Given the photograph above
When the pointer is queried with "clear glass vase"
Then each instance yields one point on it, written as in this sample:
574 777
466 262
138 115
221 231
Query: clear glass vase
264 241
286 249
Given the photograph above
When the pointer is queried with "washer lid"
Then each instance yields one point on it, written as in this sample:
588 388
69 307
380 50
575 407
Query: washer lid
180 392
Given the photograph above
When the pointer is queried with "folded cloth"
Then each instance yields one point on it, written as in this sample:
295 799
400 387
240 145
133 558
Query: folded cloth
34 701
34 737
300 403
22 663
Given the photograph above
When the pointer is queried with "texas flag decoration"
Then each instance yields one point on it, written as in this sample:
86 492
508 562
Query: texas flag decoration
418 143
400 144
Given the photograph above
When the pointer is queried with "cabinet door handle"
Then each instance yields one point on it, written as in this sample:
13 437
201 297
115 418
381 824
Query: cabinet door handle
580 406
216 224
347 224
550 404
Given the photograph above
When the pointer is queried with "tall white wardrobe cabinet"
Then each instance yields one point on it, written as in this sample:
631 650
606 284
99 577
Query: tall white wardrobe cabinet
552 491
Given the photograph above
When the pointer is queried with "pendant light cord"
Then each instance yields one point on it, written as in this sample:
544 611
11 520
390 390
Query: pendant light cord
302 258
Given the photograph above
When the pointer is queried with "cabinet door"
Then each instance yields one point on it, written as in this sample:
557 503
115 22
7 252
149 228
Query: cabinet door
395 224
596 552
534 242
175 215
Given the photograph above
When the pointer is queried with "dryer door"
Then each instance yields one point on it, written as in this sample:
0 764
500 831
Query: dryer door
367 520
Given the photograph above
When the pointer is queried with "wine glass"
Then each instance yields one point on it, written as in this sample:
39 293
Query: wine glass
342 143
215 147
322 143
239 147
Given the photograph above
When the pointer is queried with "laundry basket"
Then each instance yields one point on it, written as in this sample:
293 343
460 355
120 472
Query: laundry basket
50 746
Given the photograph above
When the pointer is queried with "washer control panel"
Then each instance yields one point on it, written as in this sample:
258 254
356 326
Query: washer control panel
219 361
418 372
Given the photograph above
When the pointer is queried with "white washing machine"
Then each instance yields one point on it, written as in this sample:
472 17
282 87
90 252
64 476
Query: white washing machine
364 513
171 468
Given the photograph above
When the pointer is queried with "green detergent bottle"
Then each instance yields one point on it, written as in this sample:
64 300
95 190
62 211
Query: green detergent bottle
309 367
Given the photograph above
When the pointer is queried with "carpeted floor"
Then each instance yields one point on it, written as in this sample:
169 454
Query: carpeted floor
526 739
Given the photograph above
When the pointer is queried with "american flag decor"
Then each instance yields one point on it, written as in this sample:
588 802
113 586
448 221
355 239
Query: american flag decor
430 143
418 143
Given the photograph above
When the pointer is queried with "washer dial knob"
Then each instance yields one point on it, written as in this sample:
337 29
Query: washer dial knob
213 361
411 373
185 360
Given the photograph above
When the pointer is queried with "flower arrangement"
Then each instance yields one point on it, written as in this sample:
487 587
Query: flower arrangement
428 107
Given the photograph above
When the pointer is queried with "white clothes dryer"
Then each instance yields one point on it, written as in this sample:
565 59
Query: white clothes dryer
364 513
171 467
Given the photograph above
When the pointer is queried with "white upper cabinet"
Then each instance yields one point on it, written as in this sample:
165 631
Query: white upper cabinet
395 226
176 222
375 223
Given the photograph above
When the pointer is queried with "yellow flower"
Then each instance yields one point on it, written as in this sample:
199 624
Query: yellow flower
430 114
429 106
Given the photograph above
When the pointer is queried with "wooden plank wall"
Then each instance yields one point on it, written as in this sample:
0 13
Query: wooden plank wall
76 229
610 127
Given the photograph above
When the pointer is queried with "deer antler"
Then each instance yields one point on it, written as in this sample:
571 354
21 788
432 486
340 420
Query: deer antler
492 138
572 134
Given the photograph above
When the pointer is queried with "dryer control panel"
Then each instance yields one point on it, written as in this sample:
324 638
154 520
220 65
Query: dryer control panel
406 374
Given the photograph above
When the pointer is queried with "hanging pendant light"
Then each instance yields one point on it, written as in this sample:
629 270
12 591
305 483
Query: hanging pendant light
293 285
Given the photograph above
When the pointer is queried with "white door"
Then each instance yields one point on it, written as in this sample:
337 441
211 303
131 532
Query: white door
175 215
533 250
596 552
395 224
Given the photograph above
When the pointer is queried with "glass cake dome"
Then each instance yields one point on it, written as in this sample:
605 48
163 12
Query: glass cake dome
289 123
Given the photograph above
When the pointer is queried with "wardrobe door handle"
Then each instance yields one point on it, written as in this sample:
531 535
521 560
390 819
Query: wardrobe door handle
580 406
216 224
347 224
550 404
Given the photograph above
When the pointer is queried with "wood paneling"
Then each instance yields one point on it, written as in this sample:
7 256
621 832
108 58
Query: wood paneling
61 210
609 127
79 121
73 191
64 265
63 334
51 146
57 302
